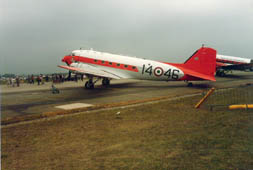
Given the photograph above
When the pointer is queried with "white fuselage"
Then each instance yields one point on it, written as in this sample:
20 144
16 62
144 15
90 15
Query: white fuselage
127 67
232 60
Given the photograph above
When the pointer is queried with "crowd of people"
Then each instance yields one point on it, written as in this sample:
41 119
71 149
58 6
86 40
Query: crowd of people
41 79
13 81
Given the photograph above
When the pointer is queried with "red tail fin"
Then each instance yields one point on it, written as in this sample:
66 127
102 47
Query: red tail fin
203 61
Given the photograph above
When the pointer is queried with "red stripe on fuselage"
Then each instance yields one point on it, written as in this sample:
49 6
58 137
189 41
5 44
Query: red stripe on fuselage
105 63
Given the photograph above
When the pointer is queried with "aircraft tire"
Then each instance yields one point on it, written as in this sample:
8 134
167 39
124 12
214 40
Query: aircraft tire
86 85
190 84
106 82
89 85
92 86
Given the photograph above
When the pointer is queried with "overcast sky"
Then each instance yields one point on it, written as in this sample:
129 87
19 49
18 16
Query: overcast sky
36 34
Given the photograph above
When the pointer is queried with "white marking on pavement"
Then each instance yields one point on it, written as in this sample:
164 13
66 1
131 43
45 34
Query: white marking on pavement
73 106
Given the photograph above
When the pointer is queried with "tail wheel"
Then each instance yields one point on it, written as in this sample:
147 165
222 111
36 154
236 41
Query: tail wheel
190 84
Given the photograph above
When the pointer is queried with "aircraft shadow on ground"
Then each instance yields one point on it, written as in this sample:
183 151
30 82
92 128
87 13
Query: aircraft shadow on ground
147 85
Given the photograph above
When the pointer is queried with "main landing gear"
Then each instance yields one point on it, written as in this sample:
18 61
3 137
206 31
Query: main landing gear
106 82
90 83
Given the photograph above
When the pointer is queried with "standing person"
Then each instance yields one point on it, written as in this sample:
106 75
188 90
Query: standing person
32 79
38 80
47 78
9 81
17 81
53 78
57 78
63 78
12 82
60 77
29 79
41 79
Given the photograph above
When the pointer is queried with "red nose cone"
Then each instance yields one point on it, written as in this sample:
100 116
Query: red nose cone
67 59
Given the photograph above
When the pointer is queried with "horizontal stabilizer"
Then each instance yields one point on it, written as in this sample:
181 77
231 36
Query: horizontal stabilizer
198 74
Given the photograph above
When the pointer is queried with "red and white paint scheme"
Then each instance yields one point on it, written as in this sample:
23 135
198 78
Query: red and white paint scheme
227 63
200 66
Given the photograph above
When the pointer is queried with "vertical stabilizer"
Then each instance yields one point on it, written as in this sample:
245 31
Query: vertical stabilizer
202 61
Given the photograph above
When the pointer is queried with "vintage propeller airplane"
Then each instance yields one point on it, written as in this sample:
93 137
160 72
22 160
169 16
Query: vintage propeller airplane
200 66
225 64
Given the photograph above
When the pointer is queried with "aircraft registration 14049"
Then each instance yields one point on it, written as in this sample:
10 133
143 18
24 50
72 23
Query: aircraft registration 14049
105 66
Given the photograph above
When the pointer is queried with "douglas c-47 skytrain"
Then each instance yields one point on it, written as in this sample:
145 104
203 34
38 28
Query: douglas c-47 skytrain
225 64
105 66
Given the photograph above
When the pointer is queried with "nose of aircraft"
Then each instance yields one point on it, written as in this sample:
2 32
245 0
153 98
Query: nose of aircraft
67 59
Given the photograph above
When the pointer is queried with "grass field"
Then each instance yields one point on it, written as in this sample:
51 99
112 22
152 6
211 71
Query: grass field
167 135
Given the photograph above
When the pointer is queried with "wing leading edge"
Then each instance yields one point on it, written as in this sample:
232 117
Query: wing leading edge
90 70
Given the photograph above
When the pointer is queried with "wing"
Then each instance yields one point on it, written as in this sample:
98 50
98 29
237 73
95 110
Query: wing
90 70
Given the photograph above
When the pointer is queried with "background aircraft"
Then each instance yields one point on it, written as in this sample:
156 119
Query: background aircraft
200 66
225 64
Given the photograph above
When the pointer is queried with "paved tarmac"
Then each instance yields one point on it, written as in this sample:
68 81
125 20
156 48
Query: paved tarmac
33 99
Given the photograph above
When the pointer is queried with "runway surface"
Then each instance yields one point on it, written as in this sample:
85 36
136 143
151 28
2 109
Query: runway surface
33 99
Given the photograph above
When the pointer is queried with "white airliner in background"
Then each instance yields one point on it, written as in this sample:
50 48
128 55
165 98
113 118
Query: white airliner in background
228 63
99 65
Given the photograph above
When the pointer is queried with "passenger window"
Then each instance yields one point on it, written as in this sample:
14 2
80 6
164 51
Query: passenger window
118 65
133 67
110 63
125 66
103 62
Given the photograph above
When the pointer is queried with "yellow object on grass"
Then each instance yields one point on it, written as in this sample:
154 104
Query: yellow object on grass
241 106
204 98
